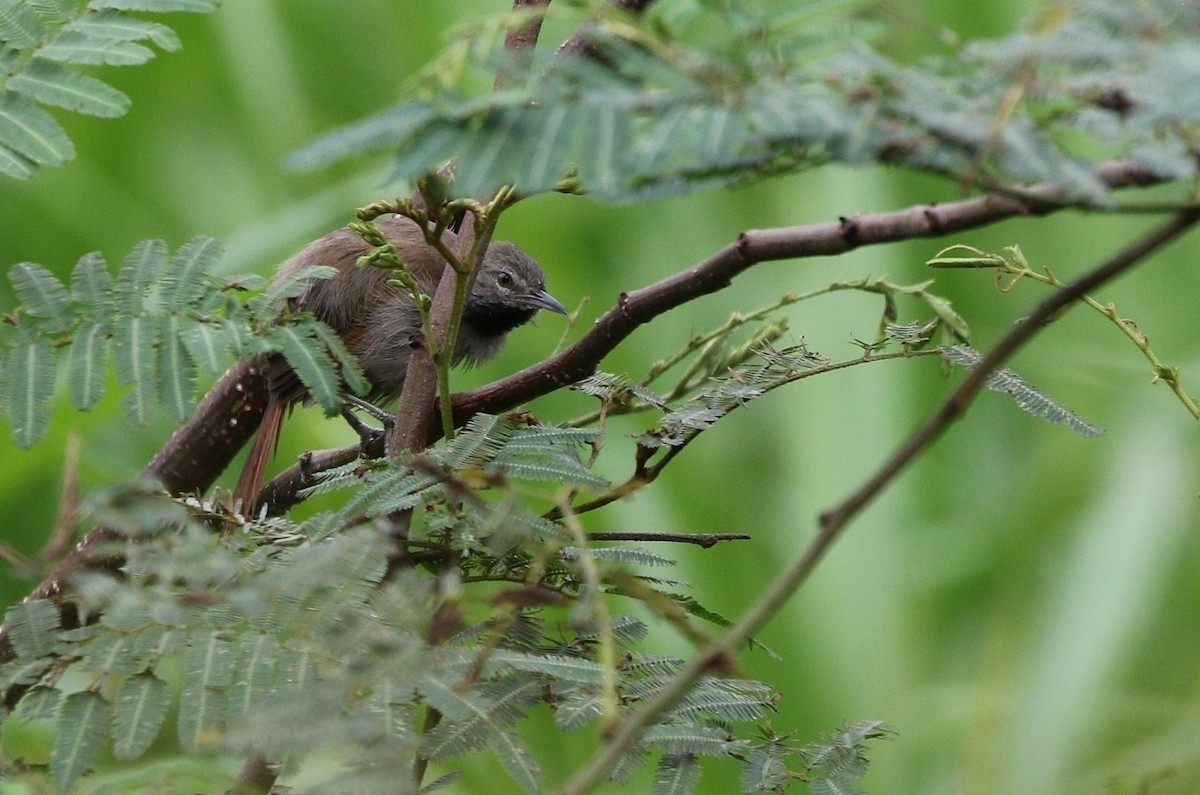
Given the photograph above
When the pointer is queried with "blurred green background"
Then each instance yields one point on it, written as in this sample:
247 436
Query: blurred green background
1021 606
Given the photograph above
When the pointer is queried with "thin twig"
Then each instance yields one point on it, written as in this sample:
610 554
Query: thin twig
833 522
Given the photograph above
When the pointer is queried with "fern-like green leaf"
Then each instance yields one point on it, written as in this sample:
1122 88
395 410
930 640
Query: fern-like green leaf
484 436
516 759
578 707
139 285
690 739
764 770
20 25
177 374
15 164
138 713
85 365
158 6
565 669
77 46
310 361
116 26
53 10
81 729
29 375
184 280
832 785
208 669
39 703
54 84
257 657
113 653
40 292
1027 397
206 344
30 131
135 345
676 774
32 628
348 367
92 286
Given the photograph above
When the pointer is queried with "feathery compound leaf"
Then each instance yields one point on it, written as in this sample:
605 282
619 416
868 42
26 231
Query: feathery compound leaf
39 703
30 131
54 84
138 714
159 6
177 375
676 774
76 46
184 279
135 344
138 286
208 669
310 359
484 436
81 728
257 656
20 26
348 367
764 770
92 286
29 381
116 26
40 292
1027 397
85 365
207 344
568 669
32 627
16 165
699 740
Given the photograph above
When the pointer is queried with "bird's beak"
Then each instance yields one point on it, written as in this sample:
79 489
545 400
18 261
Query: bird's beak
543 300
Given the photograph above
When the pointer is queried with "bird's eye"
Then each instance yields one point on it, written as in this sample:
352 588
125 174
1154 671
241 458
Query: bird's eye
504 279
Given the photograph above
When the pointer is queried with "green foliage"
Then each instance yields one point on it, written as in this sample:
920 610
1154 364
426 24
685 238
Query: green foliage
164 319
661 105
1026 396
259 628
42 46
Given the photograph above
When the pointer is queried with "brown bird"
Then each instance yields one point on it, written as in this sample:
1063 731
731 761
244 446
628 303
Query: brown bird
378 322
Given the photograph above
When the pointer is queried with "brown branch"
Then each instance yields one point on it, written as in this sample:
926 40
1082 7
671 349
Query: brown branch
834 521
520 42
715 273
201 449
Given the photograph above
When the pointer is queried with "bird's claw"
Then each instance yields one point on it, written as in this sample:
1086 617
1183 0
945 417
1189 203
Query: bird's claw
369 436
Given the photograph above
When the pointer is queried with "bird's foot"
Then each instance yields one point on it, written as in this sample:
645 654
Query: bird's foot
370 438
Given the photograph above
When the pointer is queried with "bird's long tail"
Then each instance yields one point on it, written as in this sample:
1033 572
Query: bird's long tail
266 440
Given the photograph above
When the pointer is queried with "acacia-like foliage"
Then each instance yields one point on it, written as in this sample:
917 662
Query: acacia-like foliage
274 637
451 599
692 96
42 45
163 319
